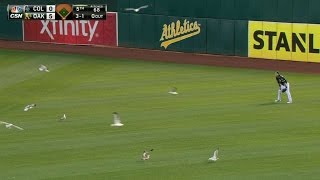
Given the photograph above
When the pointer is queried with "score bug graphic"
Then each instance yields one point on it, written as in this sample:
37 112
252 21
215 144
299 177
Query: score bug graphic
15 12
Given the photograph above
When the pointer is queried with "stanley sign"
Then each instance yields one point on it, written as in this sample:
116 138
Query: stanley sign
284 41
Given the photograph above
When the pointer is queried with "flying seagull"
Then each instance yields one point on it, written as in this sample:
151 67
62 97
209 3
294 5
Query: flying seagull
116 120
64 117
173 91
137 9
30 106
9 125
215 156
43 68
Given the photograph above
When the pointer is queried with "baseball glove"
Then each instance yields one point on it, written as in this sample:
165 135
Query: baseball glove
284 90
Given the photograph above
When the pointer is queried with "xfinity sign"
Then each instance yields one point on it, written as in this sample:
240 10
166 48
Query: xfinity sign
78 28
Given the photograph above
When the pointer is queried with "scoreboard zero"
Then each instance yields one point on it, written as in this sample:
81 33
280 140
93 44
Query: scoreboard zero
57 12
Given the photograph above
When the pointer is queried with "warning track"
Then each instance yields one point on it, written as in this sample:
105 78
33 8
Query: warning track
167 56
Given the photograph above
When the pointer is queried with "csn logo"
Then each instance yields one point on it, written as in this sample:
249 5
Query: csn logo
16 9
16 16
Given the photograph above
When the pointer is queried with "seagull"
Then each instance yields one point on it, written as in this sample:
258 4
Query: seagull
137 9
173 91
43 68
145 155
9 125
215 156
30 106
116 120
64 117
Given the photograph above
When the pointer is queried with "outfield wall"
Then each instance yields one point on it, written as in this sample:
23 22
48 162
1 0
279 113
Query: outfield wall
185 34
268 29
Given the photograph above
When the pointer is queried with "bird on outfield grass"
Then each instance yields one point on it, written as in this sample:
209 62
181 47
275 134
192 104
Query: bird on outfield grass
9 125
64 117
116 120
215 156
137 9
43 68
173 91
30 106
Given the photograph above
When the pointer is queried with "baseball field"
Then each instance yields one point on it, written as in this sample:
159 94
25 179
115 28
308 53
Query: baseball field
226 108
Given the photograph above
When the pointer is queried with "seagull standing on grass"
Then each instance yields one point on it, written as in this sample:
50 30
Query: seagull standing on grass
116 120
146 155
9 125
137 9
215 156
173 91
43 68
64 117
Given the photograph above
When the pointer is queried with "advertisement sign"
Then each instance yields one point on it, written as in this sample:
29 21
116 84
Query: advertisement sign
284 41
77 32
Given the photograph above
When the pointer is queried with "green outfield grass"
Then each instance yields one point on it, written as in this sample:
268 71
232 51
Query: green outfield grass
232 109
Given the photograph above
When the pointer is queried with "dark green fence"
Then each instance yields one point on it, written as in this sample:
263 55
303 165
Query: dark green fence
231 37
228 37
304 11
12 29
223 23
145 31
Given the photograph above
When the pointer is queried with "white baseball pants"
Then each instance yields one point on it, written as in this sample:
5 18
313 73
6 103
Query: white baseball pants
287 92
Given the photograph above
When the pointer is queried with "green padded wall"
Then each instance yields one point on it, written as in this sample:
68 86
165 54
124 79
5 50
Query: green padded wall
241 38
221 37
264 10
10 29
314 12
142 32
137 30
145 31
214 10
300 11
124 30
224 23
268 9
214 38
284 11
196 43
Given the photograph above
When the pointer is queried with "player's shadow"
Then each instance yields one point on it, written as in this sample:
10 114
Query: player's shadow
269 104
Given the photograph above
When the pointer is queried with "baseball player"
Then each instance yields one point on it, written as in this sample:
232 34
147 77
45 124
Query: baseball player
284 86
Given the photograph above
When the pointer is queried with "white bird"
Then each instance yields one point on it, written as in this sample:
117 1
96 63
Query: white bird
9 125
215 156
30 106
173 91
43 68
116 120
64 117
137 9
145 155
